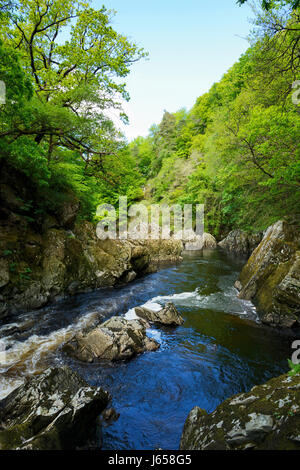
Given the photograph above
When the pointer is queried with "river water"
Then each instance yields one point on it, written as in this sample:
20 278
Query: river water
220 350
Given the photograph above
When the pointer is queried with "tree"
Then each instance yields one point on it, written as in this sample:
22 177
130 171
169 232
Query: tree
76 61
269 4
277 37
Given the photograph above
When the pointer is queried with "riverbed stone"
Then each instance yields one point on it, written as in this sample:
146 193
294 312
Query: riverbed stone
266 418
114 340
168 315
109 415
53 411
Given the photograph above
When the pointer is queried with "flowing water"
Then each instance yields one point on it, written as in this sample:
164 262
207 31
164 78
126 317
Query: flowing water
220 350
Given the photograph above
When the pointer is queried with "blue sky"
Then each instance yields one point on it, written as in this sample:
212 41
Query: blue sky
191 44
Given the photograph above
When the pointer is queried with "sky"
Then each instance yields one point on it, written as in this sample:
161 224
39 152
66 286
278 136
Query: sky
191 44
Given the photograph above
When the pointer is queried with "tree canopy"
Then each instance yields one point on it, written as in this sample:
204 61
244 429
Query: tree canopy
64 67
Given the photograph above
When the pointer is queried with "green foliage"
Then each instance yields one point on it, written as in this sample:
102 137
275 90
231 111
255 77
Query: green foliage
7 252
63 65
269 4
236 151
244 133
295 368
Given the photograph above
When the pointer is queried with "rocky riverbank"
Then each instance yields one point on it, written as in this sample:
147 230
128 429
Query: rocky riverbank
54 254
271 277
266 418
54 411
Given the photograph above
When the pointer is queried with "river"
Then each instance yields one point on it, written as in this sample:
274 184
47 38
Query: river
220 350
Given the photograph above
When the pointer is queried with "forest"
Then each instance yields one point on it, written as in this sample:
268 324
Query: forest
236 150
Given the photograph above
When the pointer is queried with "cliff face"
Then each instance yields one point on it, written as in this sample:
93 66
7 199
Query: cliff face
56 410
44 256
271 277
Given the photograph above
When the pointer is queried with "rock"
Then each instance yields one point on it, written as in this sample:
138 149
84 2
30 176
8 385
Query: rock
241 243
114 340
209 241
271 277
128 277
169 315
266 418
55 410
238 285
194 242
110 415
67 212
4 272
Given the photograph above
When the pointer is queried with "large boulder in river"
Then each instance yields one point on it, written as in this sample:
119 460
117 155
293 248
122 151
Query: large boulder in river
193 242
168 315
266 418
55 410
114 340
271 277
241 243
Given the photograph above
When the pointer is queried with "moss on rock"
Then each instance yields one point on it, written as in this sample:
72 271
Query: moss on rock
271 277
266 418
56 410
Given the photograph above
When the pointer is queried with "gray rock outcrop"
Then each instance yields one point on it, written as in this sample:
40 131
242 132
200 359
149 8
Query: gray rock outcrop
271 277
53 411
114 340
240 242
168 315
266 418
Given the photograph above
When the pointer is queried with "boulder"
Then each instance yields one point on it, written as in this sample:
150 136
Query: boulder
192 241
53 411
114 340
209 241
169 315
266 418
241 243
271 277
